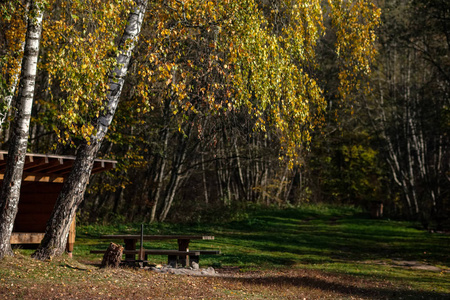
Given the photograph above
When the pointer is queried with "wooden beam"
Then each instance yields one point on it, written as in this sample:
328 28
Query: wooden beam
36 163
36 177
65 168
43 178
52 163
26 238
3 152
157 237
46 164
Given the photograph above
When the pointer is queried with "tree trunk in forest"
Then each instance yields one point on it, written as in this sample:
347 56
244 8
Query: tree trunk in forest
157 194
118 196
411 106
241 183
282 186
175 178
72 193
219 180
161 174
205 184
10 192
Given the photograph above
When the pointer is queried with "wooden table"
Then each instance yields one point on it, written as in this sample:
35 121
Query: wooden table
181 256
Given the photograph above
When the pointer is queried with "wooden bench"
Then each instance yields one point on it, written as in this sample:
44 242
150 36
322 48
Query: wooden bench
174 256
196 258
182 255
164 252
26 238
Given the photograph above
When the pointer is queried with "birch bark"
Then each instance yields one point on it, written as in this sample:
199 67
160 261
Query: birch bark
15 77
10 192
72 193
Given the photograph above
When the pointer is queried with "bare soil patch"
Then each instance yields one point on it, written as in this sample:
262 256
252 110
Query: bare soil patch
409 264
68 279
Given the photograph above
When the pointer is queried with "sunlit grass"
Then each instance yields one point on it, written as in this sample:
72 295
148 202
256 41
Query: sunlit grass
336 240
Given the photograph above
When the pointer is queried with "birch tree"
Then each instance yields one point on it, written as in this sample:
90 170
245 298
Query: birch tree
223 58
10 191
411 101
72 193
15 18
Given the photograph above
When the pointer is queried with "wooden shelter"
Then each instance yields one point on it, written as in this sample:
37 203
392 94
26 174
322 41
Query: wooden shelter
43 178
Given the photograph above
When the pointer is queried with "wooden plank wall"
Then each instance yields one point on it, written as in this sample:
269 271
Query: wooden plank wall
37 200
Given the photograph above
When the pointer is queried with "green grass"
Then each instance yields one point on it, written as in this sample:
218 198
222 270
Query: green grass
340 241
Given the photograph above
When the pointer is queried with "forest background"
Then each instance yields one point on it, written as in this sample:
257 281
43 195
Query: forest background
229 105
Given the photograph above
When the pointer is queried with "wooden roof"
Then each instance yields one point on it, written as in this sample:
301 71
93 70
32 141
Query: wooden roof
51 168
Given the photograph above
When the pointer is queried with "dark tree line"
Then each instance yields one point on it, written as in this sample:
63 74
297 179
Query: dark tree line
410 107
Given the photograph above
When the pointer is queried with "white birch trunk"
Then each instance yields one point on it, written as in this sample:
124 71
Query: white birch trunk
205 185
160 176
15 77
10 192
72 193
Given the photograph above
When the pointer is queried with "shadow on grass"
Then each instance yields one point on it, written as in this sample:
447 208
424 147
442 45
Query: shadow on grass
341 241
346 236
308 282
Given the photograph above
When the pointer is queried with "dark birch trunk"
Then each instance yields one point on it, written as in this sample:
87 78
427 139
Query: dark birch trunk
219 180
175 178
10 193
118 196
205 184
72 193
160 177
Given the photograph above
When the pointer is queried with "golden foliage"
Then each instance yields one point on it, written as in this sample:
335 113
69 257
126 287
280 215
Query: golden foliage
203 57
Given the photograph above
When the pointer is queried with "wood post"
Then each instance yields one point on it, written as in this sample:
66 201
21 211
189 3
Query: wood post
141 249
71 237
183 245
130 244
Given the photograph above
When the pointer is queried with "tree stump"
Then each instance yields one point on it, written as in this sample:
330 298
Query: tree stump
113 256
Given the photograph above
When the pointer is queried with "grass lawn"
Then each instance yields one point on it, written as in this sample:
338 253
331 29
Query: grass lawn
309 252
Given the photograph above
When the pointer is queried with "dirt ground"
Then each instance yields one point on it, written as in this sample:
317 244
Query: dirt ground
231 283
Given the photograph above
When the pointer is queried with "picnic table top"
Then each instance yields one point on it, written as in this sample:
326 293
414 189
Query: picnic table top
157 237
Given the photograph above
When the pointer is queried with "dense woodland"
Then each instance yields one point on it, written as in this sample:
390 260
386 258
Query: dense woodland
224 105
